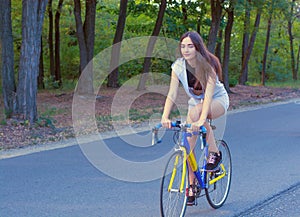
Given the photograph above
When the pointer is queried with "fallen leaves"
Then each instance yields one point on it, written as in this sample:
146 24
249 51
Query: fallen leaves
55 110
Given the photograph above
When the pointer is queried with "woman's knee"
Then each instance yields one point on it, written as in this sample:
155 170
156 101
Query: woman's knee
217 109
194 114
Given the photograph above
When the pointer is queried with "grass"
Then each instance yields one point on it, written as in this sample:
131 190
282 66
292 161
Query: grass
3 121
135 116
51 111
46 117
282 84
289 84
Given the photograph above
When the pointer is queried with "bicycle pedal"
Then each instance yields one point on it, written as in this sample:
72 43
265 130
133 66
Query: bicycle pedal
194 203
217 169
191 204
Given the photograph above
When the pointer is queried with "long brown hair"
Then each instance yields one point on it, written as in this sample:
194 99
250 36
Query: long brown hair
205 59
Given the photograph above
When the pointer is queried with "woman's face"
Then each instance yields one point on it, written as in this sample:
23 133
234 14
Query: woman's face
188 49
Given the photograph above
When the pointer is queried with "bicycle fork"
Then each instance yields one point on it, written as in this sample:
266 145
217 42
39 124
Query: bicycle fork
174 171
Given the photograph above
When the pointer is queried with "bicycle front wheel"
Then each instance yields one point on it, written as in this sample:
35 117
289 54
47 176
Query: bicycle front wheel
173 186
219 180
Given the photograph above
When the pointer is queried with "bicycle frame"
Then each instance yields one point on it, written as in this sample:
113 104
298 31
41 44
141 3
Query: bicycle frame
184 144
174 172
200 174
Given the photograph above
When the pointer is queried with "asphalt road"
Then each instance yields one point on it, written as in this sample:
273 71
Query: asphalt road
285 203
265 148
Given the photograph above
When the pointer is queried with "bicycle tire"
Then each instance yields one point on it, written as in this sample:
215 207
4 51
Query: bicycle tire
173 202
217 192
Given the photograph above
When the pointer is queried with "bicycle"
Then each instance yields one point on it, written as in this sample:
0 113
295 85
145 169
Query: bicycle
175 183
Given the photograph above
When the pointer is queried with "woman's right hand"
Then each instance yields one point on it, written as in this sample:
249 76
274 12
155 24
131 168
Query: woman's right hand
166 122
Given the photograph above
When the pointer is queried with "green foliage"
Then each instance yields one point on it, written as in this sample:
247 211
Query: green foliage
3 122
233 82
51 111
8 113
50 83
135 67
45 122
141 17
130 69
288 83
135 24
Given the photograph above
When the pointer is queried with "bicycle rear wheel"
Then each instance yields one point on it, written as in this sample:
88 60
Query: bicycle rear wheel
219 180
172 196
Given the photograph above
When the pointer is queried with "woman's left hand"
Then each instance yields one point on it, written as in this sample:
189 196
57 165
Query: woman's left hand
196 125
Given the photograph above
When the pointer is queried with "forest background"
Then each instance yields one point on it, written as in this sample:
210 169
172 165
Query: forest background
46 45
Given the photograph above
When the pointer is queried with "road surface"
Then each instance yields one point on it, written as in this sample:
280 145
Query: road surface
265 148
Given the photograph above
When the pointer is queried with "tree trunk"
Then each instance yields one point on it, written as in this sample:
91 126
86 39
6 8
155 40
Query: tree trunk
50 40
264 62
291 38
298 59
226 56
41 84
57 43
216 14
184 14
7 57
32 23
151 44
89 27
80 35
248 51
219 45
115 54
244 73
86 37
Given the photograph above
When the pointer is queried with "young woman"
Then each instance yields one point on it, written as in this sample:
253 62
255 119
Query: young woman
198 71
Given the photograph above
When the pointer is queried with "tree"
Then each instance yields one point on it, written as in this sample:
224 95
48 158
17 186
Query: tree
216 15
226 56
184 13
218 48
248 47
54 53
41 84
86 38
264 61
115 54
32 23
298 59
291 38
151 44
7 57
50 39
244 72
57 43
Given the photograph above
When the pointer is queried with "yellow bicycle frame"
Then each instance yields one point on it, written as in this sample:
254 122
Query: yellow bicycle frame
193 163
219 177
181 189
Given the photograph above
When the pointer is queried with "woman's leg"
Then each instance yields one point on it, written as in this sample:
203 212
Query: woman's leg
216 110
192 142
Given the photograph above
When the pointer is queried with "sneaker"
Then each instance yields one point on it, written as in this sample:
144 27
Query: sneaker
213 161
190 196
190 201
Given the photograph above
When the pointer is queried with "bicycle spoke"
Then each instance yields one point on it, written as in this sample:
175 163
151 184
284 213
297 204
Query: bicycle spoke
173 202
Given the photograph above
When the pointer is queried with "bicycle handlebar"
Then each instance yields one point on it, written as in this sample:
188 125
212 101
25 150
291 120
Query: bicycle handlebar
177 124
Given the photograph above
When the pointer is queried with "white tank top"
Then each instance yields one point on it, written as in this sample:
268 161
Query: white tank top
179 67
